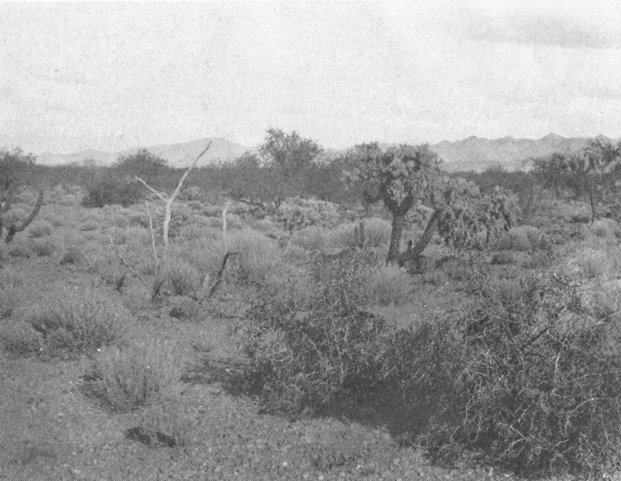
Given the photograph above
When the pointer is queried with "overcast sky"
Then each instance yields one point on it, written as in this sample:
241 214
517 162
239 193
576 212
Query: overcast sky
111 76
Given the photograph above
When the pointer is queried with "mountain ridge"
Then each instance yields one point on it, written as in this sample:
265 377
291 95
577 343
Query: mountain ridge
472 153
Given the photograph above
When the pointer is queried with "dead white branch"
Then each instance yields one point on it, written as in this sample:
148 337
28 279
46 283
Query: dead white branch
171 199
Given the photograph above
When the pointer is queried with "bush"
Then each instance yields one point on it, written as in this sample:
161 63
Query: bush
594 263
113 191
309 238
43 247
40 229
70 322
538 381
389 285
89 225
184 279
258 255
303 357
140 375
72 255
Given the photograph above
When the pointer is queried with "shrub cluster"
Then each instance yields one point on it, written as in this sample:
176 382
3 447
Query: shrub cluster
528 377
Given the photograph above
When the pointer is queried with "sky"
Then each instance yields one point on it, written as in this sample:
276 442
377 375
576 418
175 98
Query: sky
113 76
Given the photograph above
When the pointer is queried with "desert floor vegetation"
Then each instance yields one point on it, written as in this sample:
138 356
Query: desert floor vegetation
259 345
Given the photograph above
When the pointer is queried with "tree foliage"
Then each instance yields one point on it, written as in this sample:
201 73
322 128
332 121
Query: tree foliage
593 174
407 176
279 170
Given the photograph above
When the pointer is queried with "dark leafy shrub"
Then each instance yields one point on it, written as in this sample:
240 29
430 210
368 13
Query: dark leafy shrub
116 191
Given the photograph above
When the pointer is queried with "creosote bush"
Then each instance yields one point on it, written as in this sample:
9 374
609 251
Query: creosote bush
139 375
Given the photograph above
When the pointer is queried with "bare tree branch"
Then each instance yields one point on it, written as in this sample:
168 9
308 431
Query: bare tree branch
151 189
127 264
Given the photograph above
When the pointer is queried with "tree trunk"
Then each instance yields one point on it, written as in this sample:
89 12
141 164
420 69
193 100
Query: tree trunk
395 238
417 250
14 229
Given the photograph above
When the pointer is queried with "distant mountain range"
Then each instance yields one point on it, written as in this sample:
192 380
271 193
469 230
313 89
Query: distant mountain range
473 153
177 155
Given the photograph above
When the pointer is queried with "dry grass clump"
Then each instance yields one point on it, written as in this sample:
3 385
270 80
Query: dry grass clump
594 262
521 239
140 375
390 285
72 255
604 228
377 233
258 255
310 238
69 322
89 225
183 278
40 229
44 247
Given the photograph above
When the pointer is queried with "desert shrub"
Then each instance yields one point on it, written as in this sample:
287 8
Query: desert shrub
304 357
69 322
377 231
20 248
138 219
594 263
503 258
538 380
139 375
257 255
604 228
183 278
389 285
297 213
89 225
72 255
164 425
45 247
112 191
40 229
515 240
309 238
120 220
20 338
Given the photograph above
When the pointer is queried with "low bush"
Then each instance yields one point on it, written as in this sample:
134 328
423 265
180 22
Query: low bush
69 322
89 225
257 255
45 247
183 278
113 191
538 381
306 356
72 255
309 238
40 229
139 375
390 285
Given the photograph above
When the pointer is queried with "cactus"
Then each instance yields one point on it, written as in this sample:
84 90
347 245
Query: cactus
359 235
